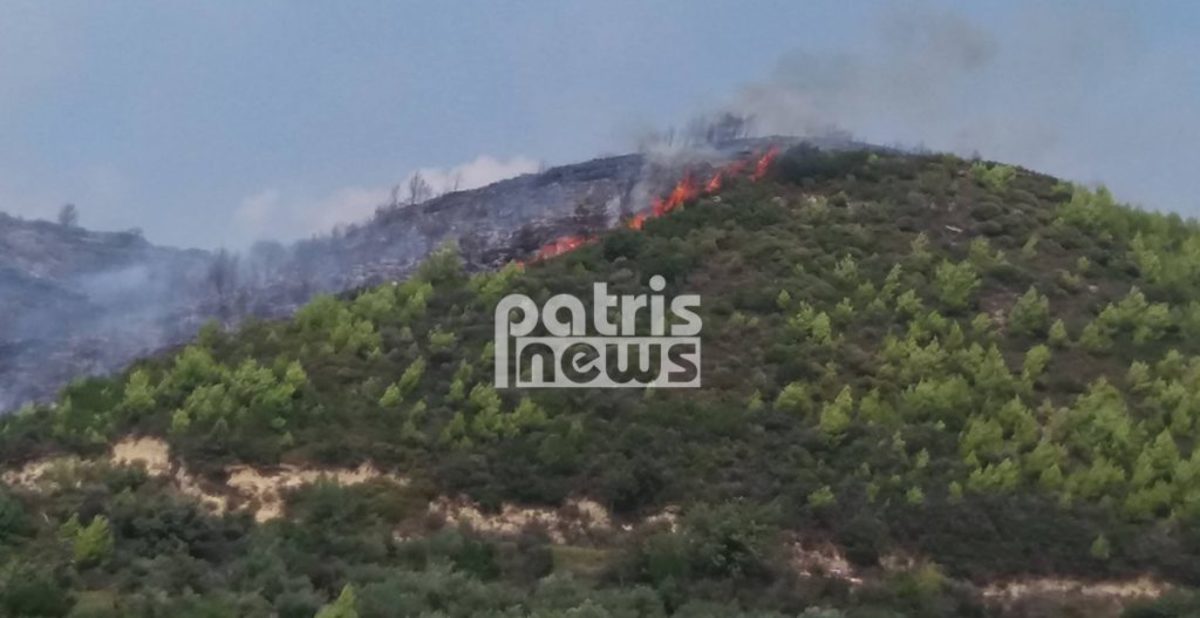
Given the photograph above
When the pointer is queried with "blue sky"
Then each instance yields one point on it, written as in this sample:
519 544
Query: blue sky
217 123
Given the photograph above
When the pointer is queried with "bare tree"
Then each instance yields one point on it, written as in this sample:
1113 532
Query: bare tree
651 139
68 215
267 259
724 128
222 275
728 127
418 189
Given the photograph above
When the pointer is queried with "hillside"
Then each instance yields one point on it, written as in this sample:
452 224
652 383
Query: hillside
80 302
932 387
77 302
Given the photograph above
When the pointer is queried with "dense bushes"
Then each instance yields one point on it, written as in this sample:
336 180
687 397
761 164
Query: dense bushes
994 385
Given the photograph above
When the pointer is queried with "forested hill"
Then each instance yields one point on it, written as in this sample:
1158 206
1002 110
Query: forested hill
942 374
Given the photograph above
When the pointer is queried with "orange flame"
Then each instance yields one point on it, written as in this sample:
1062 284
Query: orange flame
559 246
714 183
764 164
684 191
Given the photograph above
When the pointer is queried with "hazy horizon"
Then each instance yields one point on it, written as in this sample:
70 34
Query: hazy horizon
223 123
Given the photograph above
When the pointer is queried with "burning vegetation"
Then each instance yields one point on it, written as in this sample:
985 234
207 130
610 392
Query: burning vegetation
685 190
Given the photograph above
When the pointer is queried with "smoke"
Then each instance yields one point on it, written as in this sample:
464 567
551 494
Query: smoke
483 170
1065 89
907 83
272 214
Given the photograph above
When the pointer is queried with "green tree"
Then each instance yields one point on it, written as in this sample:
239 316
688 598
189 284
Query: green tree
920 255
955 283
1058 334
14 520
1030 315
411 377
444 265
1101 549
836 416
93 543
180 422
139 394
441 341
1096 337
996 177
345 606
822 496
1035 362
391 397
793 398
995 478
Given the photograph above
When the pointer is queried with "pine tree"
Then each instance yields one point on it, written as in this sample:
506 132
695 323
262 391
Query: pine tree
822 496
139 394
411 377
784 300
180 421
1059 336
391 397
1051 478
920 254
1030 314
955 284
345 606
753 404
793 398
1095 338
1035 363
94 543
835 416
1101 550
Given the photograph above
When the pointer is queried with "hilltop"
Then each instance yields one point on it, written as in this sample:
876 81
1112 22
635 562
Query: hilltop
932 386
79 302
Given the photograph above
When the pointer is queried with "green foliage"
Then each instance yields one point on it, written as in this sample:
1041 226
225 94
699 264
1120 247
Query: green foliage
345 606
14 520
794 398
836 415
784 300
1030 315
441 341
956 283
1100 549
139 394
1058 336
443 266
997 176
905 412
391 397
91 544
1035 363
822 496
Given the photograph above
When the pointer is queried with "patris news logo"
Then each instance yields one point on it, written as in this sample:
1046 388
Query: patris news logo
566 344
